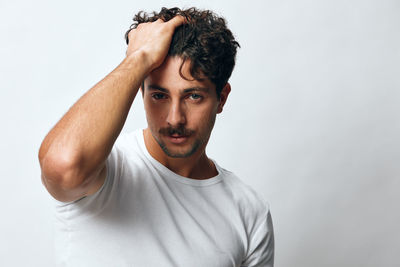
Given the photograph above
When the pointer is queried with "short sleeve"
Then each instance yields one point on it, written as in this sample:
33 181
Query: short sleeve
262 246
114 163
91 205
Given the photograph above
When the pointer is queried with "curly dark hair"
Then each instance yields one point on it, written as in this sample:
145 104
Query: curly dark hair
205 40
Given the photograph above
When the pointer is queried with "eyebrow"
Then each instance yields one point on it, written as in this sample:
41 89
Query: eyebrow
187 90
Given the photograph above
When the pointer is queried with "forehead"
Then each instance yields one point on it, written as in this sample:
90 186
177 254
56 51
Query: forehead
169 76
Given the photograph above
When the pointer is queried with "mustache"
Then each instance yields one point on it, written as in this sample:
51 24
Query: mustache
181 131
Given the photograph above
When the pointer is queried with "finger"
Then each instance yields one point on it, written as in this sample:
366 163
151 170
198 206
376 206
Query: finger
177 21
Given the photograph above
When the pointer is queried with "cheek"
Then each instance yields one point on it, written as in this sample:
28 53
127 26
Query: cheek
202 115
154 113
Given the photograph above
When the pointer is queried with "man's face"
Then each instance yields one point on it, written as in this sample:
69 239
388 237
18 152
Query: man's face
180 113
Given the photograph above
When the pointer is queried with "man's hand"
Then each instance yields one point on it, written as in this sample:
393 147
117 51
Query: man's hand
153 40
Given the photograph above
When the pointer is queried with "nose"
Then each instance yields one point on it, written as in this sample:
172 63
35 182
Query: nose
176 114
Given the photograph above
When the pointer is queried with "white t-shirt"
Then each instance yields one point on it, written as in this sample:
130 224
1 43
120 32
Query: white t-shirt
146 215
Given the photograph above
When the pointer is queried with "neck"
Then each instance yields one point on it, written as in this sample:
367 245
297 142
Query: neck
196 166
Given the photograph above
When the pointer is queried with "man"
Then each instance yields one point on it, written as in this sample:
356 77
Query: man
153 197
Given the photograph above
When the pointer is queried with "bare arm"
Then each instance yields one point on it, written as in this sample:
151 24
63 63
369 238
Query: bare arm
72 156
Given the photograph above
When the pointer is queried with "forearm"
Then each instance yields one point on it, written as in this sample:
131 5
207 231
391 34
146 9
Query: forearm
84 136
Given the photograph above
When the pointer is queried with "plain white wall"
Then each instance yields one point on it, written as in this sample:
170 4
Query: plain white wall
312 122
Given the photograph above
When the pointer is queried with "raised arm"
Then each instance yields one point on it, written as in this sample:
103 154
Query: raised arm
72 155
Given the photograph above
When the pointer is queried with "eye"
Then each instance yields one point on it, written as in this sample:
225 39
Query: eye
195 96
158 96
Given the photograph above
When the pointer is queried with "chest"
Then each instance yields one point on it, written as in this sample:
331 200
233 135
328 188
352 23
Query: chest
155 226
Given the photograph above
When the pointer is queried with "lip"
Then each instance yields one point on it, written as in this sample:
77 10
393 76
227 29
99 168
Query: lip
177 139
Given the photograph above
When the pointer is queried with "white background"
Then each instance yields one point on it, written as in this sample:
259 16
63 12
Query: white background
312 122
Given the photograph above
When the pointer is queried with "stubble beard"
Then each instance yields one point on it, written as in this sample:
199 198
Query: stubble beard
194 147
198 142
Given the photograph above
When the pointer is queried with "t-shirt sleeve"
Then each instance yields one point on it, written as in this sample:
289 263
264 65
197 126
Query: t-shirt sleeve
262 246
93 204
114 163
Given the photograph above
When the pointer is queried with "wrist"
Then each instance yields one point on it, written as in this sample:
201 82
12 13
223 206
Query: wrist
141 60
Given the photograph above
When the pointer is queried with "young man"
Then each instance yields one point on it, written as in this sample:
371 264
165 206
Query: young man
153 197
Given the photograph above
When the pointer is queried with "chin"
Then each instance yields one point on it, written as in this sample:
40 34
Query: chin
186 152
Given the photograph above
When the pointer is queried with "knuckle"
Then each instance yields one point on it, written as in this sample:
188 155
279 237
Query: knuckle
131 33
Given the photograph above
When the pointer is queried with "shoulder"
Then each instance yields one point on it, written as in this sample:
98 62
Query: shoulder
128 143
127 161
251 203
126 150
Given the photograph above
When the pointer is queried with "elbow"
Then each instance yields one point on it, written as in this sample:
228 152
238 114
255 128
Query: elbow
60 171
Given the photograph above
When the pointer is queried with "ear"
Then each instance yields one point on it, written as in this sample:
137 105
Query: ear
223 97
